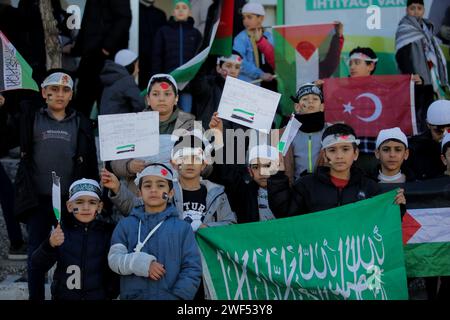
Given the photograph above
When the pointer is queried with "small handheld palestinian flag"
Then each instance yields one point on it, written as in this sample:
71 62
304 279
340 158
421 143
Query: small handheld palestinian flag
289 134
56 196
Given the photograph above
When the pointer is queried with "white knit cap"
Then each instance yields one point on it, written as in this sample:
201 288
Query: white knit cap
445 140
84 187
254 8
439 113
125 57
388 134
263 152
58 79
156 170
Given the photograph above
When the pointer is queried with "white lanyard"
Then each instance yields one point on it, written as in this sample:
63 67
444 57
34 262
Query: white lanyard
140 244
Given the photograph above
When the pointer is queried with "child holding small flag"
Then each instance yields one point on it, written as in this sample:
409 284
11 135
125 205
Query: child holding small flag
80 249
154 251
53 137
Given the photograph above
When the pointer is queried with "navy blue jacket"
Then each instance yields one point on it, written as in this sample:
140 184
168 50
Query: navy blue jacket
85 247
175 44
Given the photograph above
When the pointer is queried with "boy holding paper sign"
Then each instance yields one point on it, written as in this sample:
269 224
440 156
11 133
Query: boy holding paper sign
80 249
53 137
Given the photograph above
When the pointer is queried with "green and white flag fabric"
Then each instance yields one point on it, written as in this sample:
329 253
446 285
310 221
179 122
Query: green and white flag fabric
349 252
15 72
426 228
185 73
56 196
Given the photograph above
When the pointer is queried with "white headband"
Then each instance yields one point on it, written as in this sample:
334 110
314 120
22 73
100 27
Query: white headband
331 140
186 152
362 56
233 59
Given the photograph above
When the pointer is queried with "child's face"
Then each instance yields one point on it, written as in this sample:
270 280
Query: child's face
189 167
252 21
162 98
152 191
309 104
259 171
446 160
391 155
341 156
359 68
181 11
228 68
415 10
85 208
57 97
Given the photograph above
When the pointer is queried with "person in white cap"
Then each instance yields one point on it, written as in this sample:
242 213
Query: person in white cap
339 183
154 251
255 46
80 247
162 96
207 90
392 151
425 149
121 94
445 152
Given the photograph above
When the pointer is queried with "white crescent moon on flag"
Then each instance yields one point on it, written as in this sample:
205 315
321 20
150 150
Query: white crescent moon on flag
378 107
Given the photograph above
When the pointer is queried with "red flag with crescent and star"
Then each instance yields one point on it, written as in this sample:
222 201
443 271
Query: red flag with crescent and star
370 104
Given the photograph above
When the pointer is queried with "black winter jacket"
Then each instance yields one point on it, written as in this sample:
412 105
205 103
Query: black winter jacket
175 44
316 192
105 25
207 92
425 157
85 161
84 253
120 92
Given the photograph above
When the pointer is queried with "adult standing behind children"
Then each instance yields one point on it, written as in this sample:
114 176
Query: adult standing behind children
120 92
255 46
52 138
419 53
175 44
162 96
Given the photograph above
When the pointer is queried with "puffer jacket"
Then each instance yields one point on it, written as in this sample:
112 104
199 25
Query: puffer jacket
174 45
84 253
316 192
172 245
120 94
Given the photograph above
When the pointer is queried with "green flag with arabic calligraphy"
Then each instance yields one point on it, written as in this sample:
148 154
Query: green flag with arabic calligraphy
350 252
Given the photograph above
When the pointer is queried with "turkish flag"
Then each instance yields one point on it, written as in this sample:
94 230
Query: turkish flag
370 104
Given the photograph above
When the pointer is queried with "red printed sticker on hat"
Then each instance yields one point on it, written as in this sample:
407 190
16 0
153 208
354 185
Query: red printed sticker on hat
65 79
344 137
164 172
164 85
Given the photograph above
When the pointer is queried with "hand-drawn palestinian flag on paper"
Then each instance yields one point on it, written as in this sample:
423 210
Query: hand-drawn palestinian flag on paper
15 72
426 228
304 54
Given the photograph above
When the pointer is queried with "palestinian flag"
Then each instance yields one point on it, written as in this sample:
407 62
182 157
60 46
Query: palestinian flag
426 228
15 72
223 42
303 54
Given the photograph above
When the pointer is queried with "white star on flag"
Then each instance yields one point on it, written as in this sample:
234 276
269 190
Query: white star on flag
348 108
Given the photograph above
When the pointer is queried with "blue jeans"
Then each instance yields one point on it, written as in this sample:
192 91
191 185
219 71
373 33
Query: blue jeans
7 203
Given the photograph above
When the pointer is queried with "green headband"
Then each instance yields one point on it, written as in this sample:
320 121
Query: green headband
175 2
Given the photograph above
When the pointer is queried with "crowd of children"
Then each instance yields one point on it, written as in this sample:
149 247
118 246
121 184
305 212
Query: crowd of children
151 252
